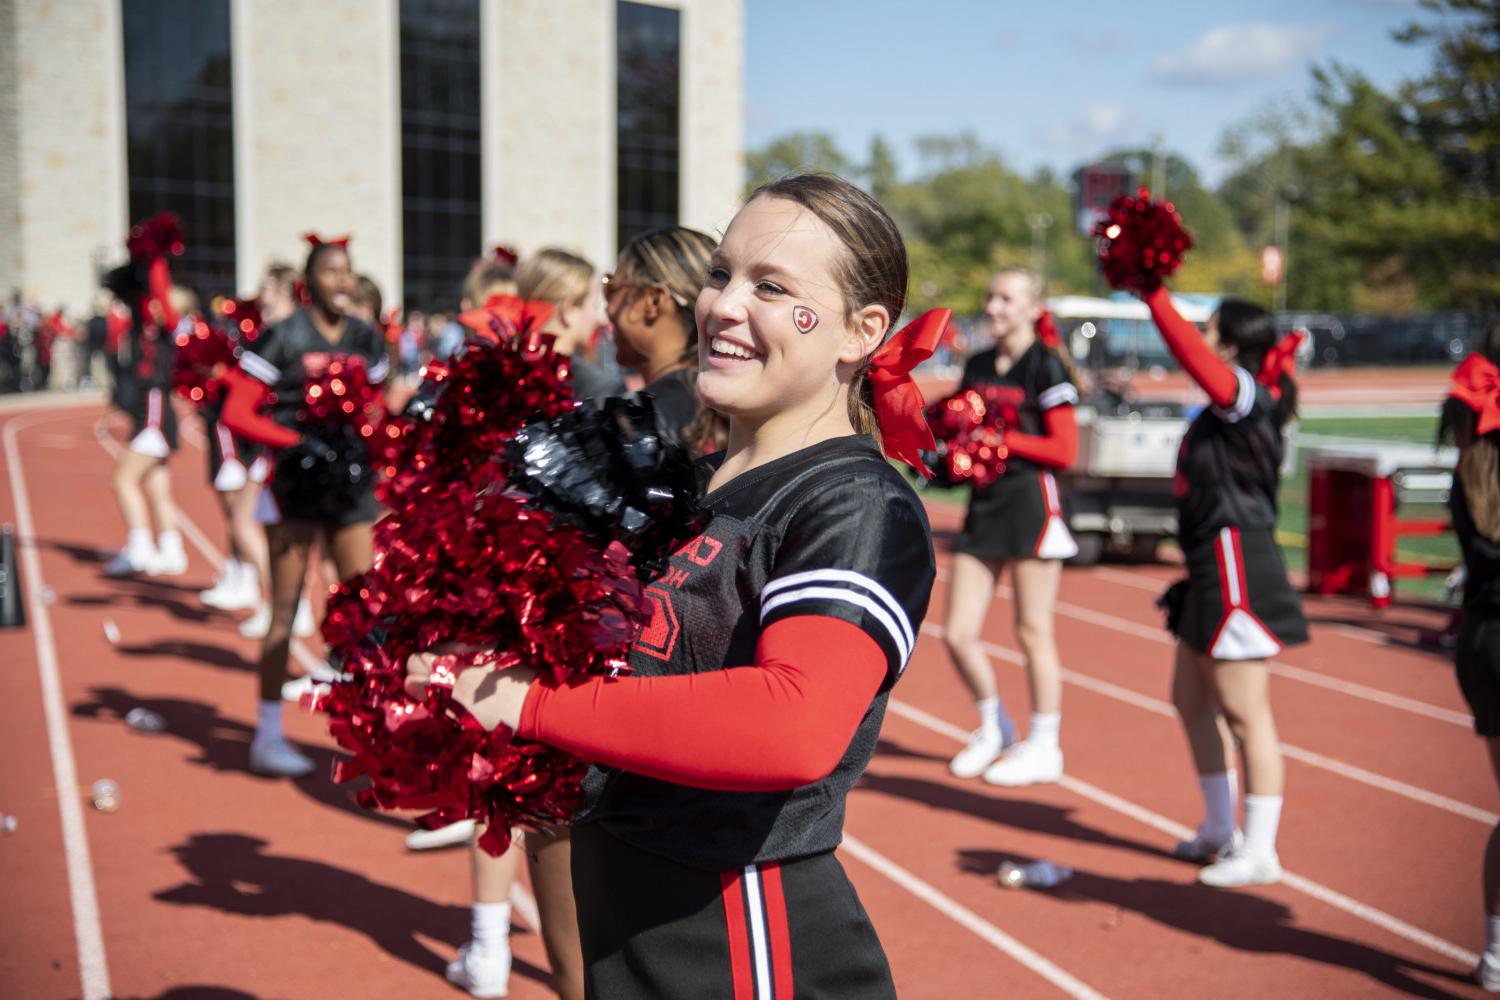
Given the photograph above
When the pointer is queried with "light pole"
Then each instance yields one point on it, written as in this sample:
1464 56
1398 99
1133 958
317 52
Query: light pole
1281 223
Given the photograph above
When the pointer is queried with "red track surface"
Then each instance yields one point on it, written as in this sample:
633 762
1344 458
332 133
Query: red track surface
213 883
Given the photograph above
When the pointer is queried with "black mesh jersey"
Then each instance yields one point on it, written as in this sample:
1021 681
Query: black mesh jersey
829 530
1035 383
1229 465
287 354
1481 555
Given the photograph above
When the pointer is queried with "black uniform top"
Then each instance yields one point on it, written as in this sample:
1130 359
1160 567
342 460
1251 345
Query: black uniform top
1036 382
1229 465
1481 555
288 353
829 530
676 404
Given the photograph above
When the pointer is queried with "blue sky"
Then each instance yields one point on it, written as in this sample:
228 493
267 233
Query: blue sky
1056 82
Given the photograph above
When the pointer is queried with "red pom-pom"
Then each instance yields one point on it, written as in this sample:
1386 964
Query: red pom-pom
969 428
1141 242
244 318
340 394
204 354
158 236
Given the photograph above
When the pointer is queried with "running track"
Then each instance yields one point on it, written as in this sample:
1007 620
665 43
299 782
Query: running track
209 882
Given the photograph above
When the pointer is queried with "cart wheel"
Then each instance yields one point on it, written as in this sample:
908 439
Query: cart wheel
1143 548
1090 548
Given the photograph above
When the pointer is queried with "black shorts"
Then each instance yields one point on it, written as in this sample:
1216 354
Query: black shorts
1477 660
1238 604
153 421
1019 516
653 929
232 462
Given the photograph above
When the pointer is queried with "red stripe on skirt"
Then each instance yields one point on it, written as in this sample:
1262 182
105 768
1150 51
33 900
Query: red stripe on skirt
741 974
780 936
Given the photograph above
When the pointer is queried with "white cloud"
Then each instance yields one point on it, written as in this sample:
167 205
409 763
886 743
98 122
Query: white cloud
1096 125
1241 53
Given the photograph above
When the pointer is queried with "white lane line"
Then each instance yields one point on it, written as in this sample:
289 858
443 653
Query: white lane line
206 549
1309 757
1277 668
969 920
1177 831
93 966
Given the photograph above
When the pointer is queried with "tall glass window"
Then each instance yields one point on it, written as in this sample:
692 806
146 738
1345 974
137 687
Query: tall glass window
179 125
440 176
649 40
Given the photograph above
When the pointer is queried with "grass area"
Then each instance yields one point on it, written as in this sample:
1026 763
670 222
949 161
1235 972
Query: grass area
1292 529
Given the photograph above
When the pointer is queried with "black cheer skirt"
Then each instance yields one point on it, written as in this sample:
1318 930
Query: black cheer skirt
1019 516
653 929
1477 661
1236 603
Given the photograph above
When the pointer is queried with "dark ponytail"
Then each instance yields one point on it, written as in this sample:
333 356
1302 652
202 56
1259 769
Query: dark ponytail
1252 331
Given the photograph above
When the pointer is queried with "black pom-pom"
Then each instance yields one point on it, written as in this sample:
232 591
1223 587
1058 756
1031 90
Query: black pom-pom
610 472
324 475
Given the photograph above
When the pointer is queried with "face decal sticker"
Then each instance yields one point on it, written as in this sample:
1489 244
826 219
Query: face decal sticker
804 319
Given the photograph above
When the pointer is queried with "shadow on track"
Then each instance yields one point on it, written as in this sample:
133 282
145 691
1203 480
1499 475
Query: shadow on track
1242 920
224 745
232 873
1020 814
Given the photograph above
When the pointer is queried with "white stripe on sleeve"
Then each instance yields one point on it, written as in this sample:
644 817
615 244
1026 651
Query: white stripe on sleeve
258 367
1061 394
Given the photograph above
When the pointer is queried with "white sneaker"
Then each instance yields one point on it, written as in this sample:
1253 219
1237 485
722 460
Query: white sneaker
169 562
232 592
1238 866
984 748
258 624
483 974
444 836
1205 850
130 561
1487 974
278 759
1026 764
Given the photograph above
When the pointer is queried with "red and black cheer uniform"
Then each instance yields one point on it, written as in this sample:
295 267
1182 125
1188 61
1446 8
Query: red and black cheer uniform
1477 656
283 358
1238 603
233 461
703 866
1020 515
143 386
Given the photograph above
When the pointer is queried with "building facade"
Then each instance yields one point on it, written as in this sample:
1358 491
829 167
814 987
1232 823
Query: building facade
427 130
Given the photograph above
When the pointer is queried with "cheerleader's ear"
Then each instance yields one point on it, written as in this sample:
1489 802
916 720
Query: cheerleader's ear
865 333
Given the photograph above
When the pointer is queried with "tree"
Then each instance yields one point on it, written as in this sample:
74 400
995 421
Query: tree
795 153
881 172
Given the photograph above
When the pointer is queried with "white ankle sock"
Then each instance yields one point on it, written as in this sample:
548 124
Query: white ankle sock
490 926
246 574
1262 816
139 540
268 721
994 719
1044 728
1218 804
169 543
1492 935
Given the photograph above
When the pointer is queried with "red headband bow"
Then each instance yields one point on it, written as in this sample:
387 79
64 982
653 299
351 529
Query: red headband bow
314 240
502 254
1046 330
1477 385
898 402
1280 360
503 315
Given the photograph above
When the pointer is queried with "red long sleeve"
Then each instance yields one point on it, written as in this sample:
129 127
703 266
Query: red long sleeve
1192 352
242 412
1057 449
779 724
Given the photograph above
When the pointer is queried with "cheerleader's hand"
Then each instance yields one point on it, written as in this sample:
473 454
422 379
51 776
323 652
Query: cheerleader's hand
494 697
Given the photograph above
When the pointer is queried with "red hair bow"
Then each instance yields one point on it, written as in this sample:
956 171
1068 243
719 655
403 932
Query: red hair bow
503 315
314 240
502 254
1046 330
1280 360
1477 385
899 404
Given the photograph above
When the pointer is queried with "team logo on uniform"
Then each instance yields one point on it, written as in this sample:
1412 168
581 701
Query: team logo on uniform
804 319
659 637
